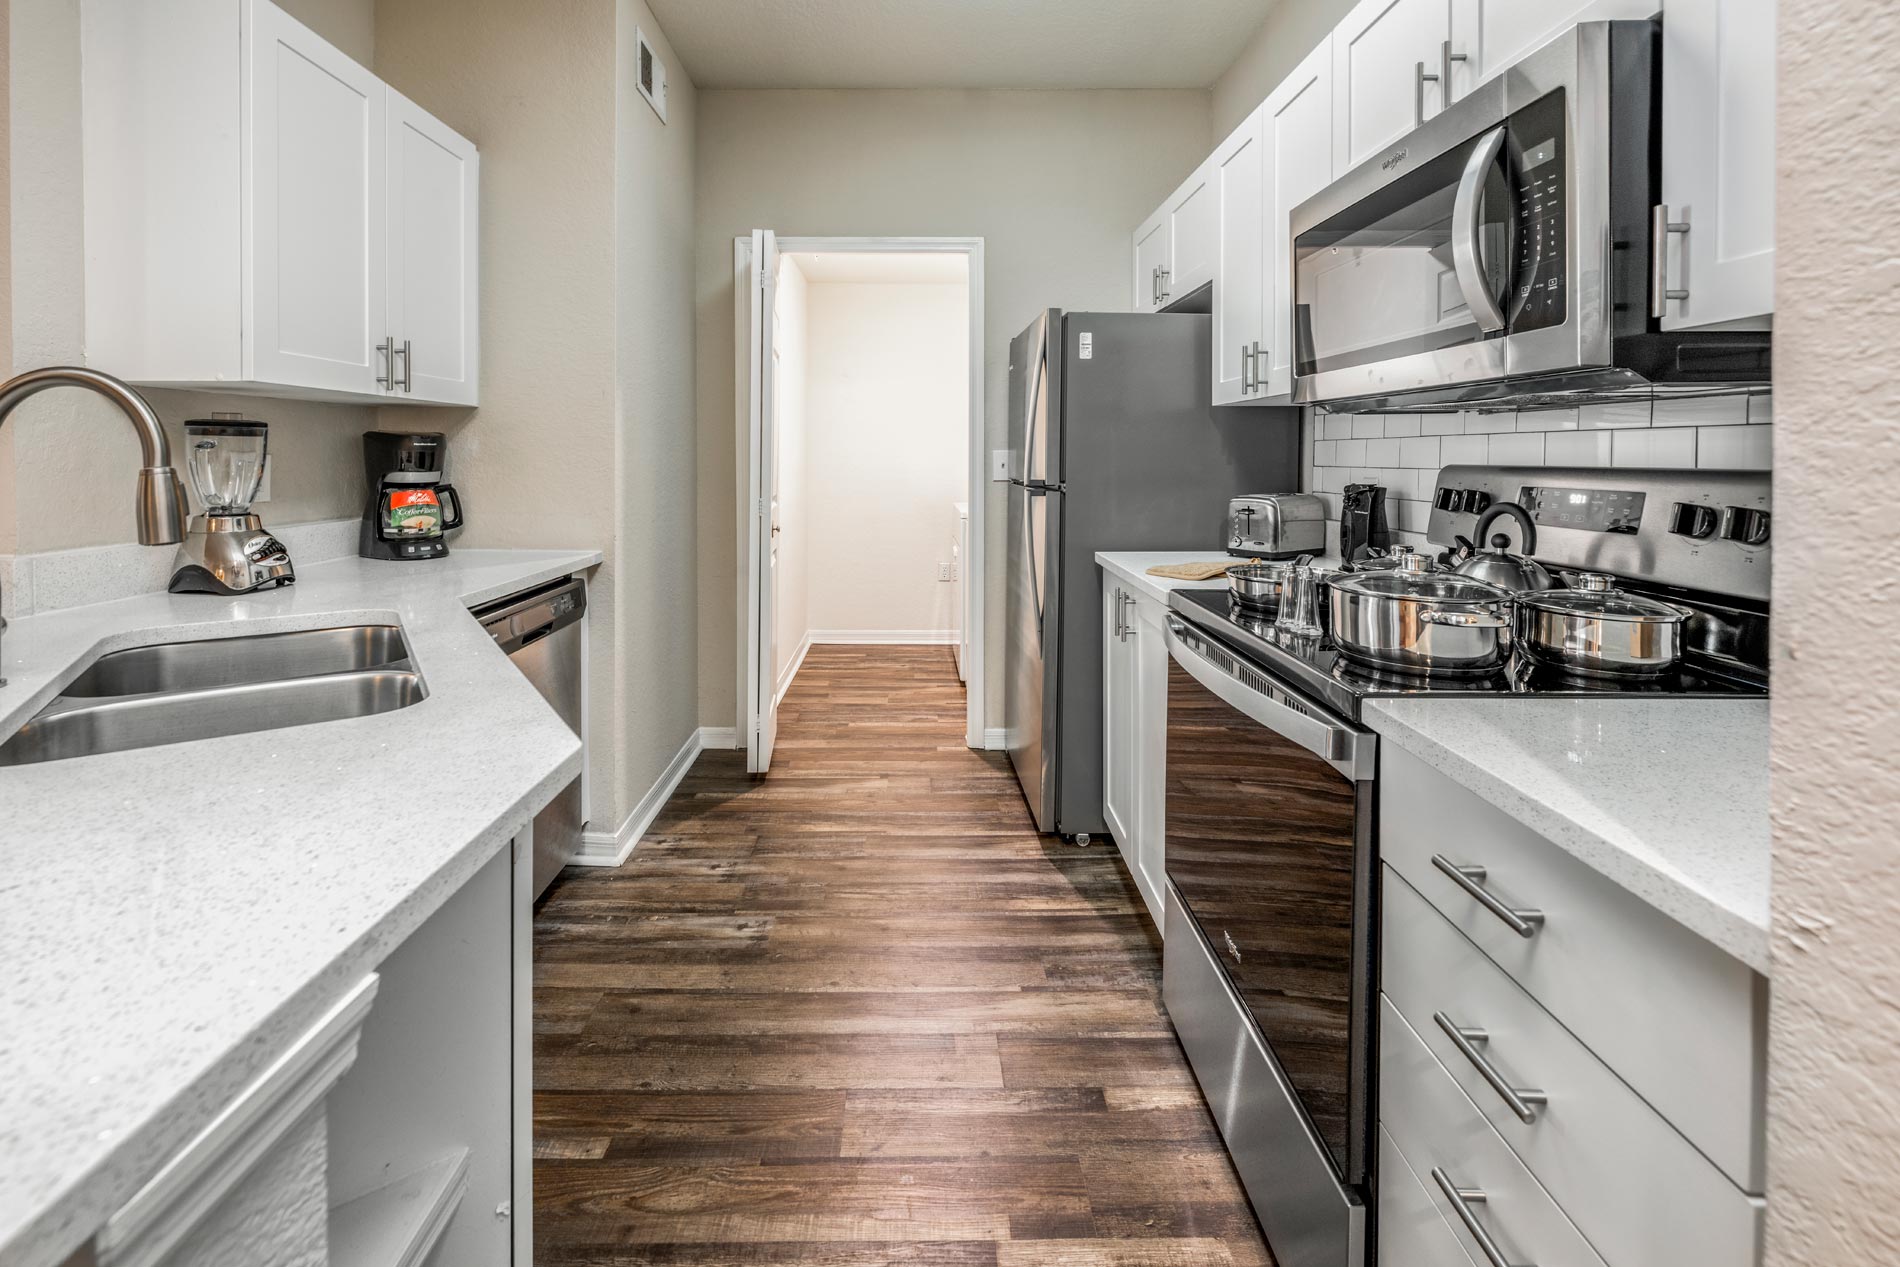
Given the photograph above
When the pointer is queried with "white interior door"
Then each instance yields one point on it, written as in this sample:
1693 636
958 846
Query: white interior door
755 299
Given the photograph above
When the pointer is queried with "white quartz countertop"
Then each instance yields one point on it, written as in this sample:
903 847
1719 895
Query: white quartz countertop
1132 566
172 917
1666 797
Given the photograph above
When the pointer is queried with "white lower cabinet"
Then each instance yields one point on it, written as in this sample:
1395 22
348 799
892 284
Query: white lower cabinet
1134 735
1412 1233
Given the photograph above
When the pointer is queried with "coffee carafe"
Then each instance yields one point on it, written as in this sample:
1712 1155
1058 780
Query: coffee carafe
227 549
410 505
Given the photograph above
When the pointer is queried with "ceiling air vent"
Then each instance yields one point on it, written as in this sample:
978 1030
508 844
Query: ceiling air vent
650 74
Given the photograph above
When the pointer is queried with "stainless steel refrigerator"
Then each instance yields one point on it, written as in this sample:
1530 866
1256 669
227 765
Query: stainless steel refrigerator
1113 446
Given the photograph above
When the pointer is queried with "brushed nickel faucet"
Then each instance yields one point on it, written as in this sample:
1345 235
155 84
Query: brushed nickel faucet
160 498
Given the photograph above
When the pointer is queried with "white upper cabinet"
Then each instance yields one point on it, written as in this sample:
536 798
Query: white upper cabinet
432 255
1151 258
1237 173
1388 58
1297 147
1490 35
1191 233
1719 160
264 215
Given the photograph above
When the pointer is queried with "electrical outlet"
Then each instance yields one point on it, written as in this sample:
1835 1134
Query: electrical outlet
999 466
943 572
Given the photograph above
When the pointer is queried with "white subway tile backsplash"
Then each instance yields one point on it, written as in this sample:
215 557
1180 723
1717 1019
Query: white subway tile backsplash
1331 479
1336 426
1654 446
1623 413
1382 452
1418 451
1441 424
1464 450
1487 424
1761 409
1547 420
1323 451
1735 448
1412 516
1577 448
1350 453
1368 426
1522 449
1699 411
1401 424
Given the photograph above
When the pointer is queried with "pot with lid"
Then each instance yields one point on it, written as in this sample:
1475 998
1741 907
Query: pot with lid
1256 586
1597 630
1419 621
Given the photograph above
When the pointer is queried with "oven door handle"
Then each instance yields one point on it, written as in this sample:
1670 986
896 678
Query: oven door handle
1467 245
1349 751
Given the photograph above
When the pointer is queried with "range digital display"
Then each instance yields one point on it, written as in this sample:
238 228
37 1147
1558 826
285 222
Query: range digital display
1583 509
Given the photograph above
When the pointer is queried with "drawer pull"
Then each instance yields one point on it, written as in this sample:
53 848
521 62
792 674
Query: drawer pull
1524 923
1523 1101
1462 1199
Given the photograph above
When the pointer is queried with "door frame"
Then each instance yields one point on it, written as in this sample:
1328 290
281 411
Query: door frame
977 687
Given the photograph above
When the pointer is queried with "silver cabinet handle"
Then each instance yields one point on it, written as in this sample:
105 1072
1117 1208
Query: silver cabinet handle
1418 93
1523 1101
1121 634
1524 923
1167 277
1445 58
1660 227
1246 369
1467 240
387 379
1462 1199
1259 370
408 368
1125 601
1154 286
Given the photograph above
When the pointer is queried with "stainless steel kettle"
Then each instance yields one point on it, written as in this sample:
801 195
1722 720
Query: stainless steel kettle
1496 564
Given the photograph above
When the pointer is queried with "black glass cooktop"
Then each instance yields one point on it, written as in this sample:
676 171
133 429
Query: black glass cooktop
1317 667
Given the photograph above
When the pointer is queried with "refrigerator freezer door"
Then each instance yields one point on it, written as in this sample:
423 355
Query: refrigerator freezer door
1035 415
1032 653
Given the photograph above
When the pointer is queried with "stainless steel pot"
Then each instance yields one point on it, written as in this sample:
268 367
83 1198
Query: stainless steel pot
1420 622
1256 586
1598 630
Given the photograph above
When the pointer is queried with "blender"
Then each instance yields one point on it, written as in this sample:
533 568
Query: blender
227 549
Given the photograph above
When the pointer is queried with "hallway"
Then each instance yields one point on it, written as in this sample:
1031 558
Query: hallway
861 1014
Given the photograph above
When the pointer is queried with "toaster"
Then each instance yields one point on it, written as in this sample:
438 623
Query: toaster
1276 525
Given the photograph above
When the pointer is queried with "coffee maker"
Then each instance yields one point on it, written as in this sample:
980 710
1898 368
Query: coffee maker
410 505
227 549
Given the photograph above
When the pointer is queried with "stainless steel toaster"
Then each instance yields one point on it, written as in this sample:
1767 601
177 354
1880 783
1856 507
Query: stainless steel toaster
1276 525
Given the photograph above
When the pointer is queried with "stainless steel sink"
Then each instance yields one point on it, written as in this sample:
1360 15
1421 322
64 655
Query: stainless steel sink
177 692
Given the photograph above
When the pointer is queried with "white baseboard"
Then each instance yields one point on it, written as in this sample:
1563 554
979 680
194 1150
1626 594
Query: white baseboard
993 739
611 848
884 637
712 738
791 671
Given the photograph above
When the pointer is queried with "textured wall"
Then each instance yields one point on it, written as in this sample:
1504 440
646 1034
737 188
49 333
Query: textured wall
1054 182
1834 1041
1293 28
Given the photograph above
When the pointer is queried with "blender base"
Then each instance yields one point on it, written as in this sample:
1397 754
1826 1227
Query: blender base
229 554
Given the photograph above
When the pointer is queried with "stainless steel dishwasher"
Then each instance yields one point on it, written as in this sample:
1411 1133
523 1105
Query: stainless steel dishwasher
540 629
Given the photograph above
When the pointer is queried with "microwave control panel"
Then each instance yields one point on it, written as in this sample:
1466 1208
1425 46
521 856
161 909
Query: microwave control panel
1540 171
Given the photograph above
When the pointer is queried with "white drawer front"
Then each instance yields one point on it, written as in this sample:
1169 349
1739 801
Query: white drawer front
1437 1129
1677 1019
1411 1232
1630 1182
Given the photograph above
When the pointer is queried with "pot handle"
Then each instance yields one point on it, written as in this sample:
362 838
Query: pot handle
1464 620
1527 527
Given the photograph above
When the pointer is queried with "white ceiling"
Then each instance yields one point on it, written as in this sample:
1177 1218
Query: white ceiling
958 43
880 266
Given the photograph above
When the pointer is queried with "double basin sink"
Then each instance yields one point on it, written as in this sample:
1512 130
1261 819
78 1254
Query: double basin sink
179 691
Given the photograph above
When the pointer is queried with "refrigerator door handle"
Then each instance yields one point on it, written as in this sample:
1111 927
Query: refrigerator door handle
1030 412
1029 553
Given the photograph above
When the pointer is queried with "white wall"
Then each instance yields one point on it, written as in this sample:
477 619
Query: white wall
794 541
887 453
1292 29
1054 182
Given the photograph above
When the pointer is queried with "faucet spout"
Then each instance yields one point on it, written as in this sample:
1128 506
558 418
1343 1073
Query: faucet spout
161 498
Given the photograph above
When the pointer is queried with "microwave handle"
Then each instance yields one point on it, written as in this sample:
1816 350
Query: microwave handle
1467 250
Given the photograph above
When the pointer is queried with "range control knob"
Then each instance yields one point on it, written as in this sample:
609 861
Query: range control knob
1690 519
1750 527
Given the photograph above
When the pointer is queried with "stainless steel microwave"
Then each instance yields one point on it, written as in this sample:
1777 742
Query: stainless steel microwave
1502 252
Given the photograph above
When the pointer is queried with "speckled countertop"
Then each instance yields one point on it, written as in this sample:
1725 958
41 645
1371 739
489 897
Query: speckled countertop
1132 566
171 917
1666 797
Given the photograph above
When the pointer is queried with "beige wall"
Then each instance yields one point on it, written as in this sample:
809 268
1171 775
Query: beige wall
1293 28
1834 1036
887 452
1054 182
67 459
584 435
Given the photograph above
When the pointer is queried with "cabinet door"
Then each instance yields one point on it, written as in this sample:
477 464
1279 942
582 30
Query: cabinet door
433 179
1118 721
1152 252
1386 62
1238 176
1489 36
1719 159
1191 222
1151 755
1297 146
315 306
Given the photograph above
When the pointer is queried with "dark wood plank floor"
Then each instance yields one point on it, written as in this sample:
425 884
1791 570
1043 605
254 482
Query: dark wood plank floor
859 1013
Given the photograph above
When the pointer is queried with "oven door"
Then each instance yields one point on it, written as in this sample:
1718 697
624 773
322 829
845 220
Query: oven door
1268 968
1472 252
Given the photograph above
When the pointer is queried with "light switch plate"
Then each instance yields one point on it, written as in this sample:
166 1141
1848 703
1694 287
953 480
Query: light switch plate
999 466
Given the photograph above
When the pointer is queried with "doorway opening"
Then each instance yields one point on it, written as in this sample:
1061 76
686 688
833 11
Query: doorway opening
860 458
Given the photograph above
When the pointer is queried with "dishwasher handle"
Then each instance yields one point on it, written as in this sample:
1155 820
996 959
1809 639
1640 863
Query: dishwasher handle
520 619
